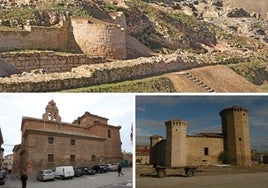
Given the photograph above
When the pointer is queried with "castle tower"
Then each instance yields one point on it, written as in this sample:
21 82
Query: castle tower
154 153
52 112
236 135
176 143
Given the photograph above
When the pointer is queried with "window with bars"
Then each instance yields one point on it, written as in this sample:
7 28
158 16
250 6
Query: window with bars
72 158
50 158
50 140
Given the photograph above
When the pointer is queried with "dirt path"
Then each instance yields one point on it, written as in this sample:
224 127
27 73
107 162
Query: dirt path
212 177
218 78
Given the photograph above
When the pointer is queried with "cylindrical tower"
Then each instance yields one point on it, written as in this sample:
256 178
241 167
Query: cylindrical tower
236 135
176 143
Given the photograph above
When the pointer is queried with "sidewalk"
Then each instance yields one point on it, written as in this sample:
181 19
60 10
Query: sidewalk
11 181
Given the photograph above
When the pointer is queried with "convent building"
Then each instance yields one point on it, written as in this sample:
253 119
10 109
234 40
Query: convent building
49 142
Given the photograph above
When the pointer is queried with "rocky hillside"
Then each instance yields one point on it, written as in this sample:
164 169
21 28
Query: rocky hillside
163 26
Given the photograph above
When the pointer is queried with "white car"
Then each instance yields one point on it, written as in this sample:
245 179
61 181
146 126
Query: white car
111 167
64 172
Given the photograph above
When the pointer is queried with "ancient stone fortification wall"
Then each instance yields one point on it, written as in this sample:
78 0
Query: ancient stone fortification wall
106 73
48 61
76 35
260 6
101 39
196 152
34 38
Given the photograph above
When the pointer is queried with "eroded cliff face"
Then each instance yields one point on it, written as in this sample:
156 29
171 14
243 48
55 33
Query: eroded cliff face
260 6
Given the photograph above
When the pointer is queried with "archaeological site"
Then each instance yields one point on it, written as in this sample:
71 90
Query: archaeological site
68 44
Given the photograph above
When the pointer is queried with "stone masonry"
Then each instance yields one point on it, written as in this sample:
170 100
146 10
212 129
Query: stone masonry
232 146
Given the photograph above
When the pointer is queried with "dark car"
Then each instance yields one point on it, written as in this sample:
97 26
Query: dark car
86 171
100 168
78 172
2 177
91 171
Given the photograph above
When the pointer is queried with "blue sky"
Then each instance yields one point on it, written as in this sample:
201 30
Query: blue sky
201 113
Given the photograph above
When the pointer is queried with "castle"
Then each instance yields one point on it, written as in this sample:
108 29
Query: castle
232 146
49 142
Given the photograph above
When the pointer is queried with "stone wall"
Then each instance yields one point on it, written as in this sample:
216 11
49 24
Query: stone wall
49 61
109 72
34 38
196 154
107 40
71 35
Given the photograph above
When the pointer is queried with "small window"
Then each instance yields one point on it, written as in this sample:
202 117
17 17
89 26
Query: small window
72 158
93 157
72 142
206 151
50 140
240 139
50 158
109 133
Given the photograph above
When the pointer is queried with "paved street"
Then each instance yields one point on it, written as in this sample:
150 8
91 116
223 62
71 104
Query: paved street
106 180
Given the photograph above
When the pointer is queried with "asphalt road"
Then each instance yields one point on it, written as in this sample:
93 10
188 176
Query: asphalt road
241 180
105 180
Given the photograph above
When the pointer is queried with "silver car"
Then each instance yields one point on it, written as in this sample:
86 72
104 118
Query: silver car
45 175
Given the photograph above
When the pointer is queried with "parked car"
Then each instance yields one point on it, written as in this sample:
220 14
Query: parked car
78 172
99 168
45 175
87 171
2 177
64 172
90 171
111 167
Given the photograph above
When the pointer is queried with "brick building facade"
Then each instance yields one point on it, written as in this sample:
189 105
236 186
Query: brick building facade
232 146
49 142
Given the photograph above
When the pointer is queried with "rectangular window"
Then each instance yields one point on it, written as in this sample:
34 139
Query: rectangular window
72 158
50 158
93 157
109 133
50 140
206 151
72 142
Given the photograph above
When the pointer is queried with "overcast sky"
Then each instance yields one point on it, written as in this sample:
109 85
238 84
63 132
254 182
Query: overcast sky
118 108
201 113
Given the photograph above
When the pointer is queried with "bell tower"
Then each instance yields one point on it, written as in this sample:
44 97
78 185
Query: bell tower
52 112
236 135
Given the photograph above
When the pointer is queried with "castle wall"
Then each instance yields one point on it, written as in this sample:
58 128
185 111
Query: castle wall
158 153
101 39
75 35
196 150
49 61
35 38
101 73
